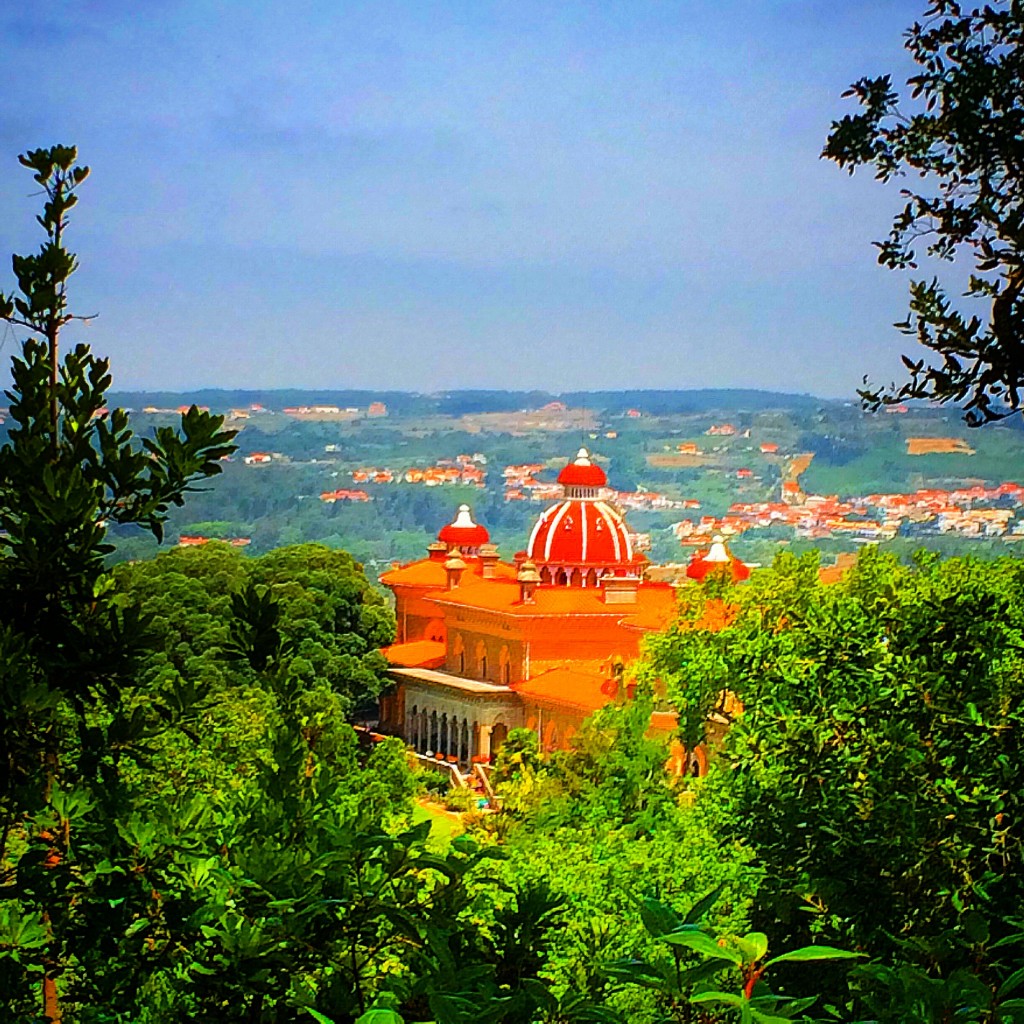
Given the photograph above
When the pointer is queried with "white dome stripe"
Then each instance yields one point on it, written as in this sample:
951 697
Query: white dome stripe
614 529
586 512
563 508
536 529
618 529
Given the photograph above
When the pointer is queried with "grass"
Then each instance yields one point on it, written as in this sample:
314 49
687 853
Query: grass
886 466
444 825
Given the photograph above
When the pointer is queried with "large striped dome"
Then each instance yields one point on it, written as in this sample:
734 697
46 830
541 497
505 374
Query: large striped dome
579 532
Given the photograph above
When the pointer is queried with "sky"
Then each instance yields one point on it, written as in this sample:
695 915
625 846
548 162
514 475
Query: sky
425 196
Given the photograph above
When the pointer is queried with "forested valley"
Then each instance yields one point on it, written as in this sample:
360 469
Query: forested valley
206 838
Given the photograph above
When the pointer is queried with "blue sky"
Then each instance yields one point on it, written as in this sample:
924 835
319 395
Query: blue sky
428 196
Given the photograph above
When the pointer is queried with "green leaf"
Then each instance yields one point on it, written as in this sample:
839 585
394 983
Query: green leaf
693 976
702 906
768 1018
723 998
975 927
805 953
705 945
633 972
541 995
753 946
375 1015
1010 983
321 1019
658 918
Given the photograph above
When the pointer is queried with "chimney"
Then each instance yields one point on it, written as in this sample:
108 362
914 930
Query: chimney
488 561
528 578
438 551
454 567
620 589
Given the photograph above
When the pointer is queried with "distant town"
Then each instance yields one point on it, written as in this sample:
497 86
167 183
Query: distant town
764 471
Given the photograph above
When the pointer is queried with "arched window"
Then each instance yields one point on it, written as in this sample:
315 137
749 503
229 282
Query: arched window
550 741
481 660
498 736
459 654
505 666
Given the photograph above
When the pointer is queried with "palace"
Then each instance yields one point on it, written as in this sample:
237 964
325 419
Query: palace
485 646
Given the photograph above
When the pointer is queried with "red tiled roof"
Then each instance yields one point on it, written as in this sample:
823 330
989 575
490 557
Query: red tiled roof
504 596
431 574
416 654
566 687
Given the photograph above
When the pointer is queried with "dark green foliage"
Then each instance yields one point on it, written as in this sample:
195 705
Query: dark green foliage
962 134
305 611
688 986
604 827
876 769
67 649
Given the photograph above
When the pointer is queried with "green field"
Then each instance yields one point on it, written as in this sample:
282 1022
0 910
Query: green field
885 465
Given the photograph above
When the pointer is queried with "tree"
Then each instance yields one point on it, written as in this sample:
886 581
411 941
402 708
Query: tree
606 828
68 469
308 609
270 879
963 139
875 769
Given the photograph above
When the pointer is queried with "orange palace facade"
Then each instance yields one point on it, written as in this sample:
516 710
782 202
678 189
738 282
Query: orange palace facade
485 646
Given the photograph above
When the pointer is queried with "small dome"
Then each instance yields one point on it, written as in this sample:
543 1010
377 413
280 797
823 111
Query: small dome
717 557
582 472
463 532
581 533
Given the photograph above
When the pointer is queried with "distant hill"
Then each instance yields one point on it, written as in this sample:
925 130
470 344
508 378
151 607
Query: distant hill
221 399
661 403
458 403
